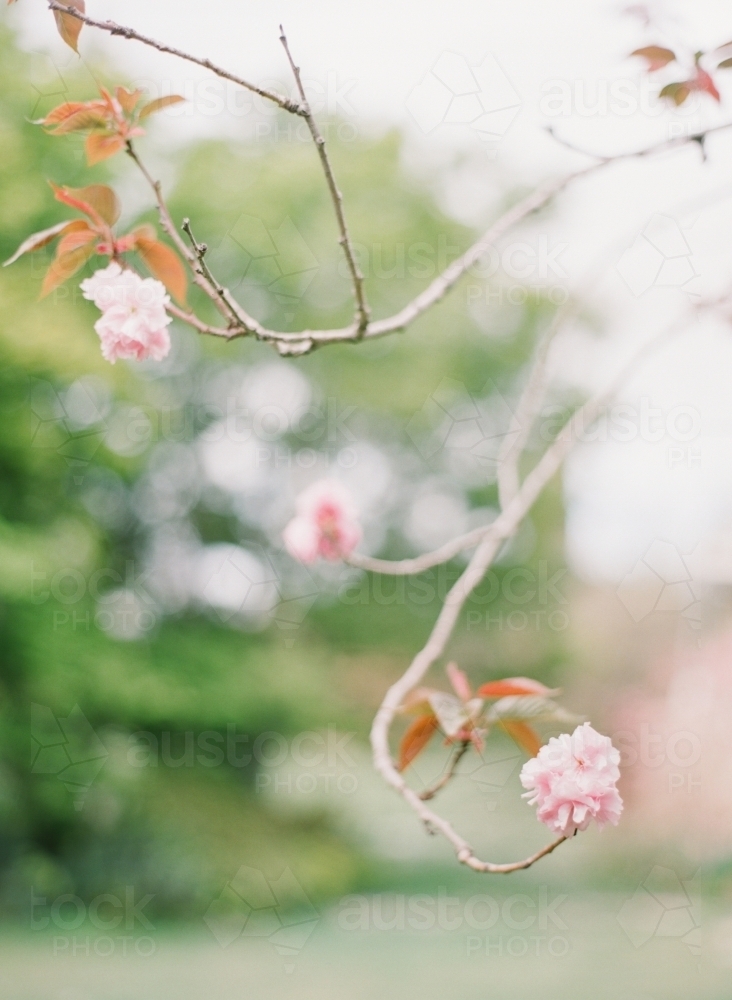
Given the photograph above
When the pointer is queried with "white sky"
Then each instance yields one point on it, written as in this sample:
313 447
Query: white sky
378 57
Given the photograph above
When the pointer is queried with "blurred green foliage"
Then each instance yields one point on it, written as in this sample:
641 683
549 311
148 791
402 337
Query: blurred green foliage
180 832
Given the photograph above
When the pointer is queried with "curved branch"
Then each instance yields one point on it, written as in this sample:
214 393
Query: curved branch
478 565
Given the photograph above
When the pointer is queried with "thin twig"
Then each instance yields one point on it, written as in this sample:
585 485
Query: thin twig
200 250
198 324
129 33
168 225
240 323
362 309
429 793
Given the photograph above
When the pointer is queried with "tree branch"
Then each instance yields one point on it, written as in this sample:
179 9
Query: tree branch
200 249
363 328
129 33
509 519
429 793
362 309
198 324
512 447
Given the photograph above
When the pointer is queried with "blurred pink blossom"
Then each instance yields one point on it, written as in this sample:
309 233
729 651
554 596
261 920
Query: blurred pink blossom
326 523
133 325
673 733
573 780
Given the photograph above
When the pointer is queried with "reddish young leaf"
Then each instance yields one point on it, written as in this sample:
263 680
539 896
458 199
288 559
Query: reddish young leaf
656 56
416 739
145 232
60 112
64 266
159 104
703 81
165 265
97 201
76 239
69 27
459 681
513 686
128 99
42 239
101 146
418 700
524 735
85 118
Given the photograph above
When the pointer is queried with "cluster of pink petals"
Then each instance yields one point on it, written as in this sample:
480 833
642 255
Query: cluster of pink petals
573 780
134 323
326 523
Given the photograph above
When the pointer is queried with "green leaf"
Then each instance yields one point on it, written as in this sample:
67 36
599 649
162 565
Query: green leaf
676 92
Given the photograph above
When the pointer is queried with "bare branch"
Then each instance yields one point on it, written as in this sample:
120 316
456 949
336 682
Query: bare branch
117 29
200 250
429 793
363 328
168 225
198 324
362 309
512 447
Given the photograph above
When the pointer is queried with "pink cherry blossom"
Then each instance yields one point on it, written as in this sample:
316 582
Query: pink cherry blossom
326 523
573 780
133 324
